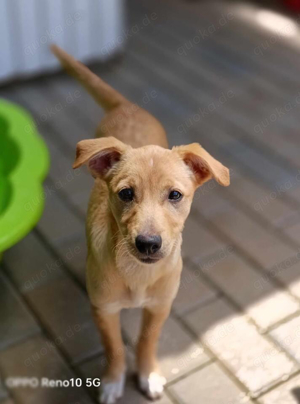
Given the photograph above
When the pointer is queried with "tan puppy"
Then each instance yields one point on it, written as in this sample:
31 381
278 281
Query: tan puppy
140 201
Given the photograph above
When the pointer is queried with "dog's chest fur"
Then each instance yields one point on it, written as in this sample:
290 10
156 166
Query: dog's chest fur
130 299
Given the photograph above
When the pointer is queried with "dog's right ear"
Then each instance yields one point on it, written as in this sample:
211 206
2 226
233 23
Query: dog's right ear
100 154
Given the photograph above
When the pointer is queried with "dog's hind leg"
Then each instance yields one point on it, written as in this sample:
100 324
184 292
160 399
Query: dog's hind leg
112 384
151 382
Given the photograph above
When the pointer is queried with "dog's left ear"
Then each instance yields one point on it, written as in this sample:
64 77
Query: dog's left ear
99 154
202 164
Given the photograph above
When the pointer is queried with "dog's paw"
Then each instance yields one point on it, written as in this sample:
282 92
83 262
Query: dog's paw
152 385
111 391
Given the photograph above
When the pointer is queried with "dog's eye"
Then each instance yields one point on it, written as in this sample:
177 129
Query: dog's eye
126 194
175 195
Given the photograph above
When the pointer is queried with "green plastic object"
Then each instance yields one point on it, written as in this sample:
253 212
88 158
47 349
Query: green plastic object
24 163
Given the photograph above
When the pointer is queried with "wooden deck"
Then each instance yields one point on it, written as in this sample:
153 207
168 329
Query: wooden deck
211 73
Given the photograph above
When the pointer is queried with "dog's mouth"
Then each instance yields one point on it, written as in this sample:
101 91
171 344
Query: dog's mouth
149 260
144 258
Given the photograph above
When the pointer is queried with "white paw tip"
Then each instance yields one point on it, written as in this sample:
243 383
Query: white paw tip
110 392
152 385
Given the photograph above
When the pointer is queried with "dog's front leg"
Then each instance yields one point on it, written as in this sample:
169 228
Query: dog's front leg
112 384
150 380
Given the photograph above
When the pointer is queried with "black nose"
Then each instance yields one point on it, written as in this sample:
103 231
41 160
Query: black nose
148 244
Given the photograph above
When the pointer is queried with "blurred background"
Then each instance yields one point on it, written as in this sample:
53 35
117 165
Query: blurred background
221 73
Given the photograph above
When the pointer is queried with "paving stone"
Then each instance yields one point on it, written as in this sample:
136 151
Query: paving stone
31 264
288 337
208 385
67 85
73 254
62 173
287 272
193 291
95 369
268 169
65 310
198 242
255 361
177 352
3 391
294 233
58 223
264 201
255 293
52 111
281 144
83 110
294 192
210 199
204 265
287 393
38 358
264 247
81 201
17 322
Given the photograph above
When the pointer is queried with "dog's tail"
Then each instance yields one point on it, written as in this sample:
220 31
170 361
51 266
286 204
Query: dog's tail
105 95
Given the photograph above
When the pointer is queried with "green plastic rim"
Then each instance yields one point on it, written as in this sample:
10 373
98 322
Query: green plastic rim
24 163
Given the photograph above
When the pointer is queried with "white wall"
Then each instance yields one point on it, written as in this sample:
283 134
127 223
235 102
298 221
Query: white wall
89 29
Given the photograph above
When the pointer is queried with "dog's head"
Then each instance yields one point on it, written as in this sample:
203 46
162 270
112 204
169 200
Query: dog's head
150 189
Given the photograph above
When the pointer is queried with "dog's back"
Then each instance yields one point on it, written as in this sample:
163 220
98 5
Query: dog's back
124 120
